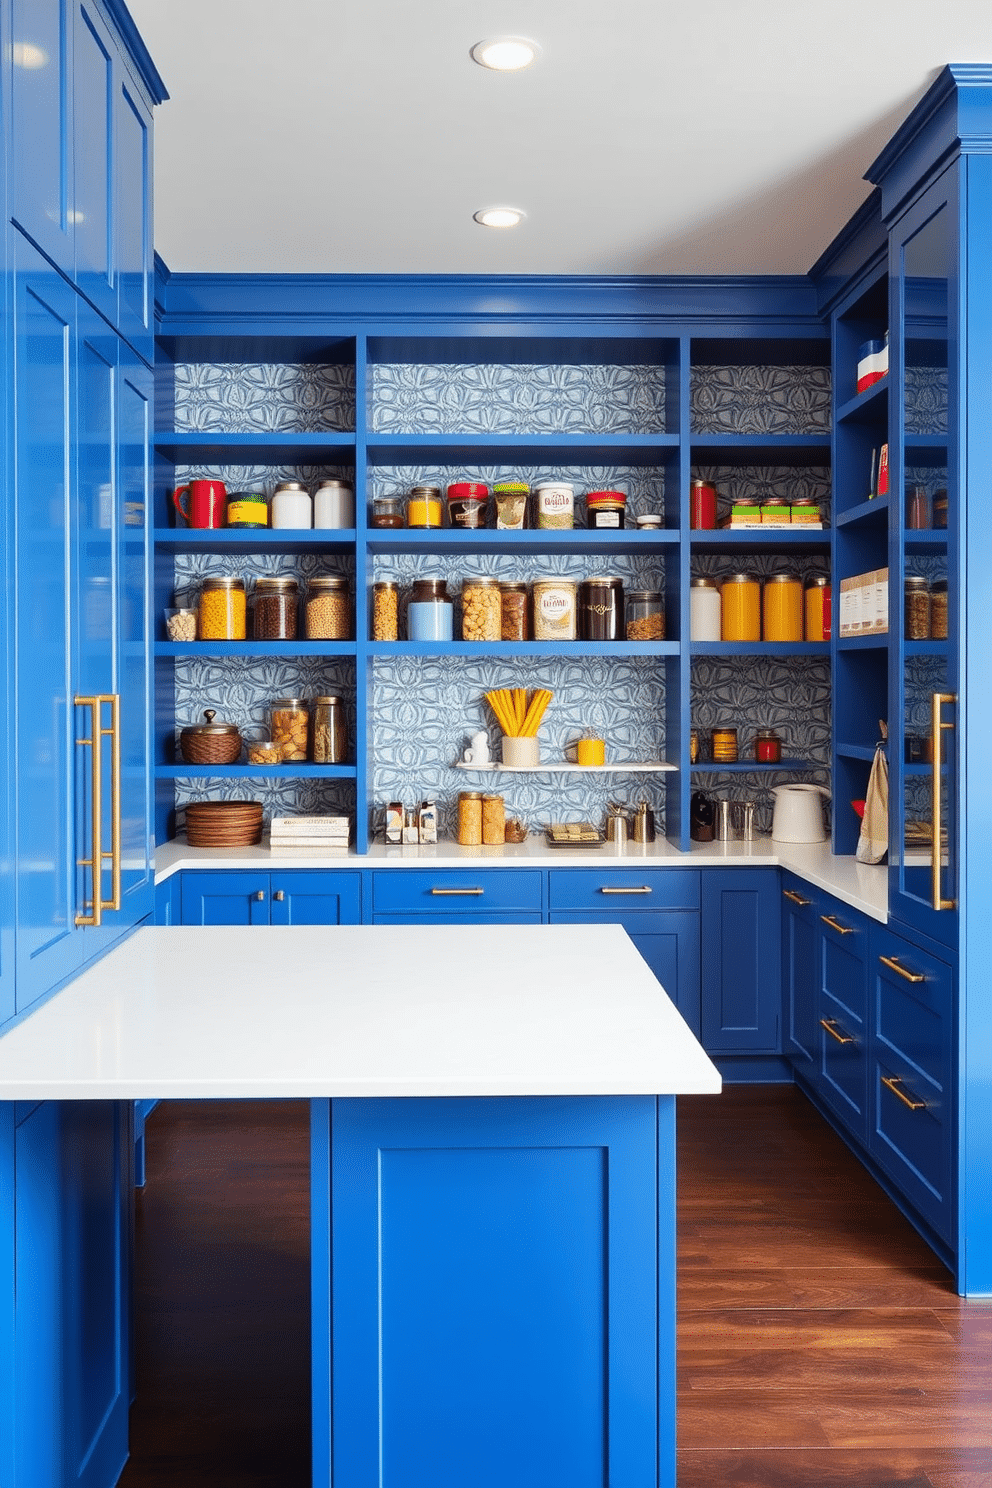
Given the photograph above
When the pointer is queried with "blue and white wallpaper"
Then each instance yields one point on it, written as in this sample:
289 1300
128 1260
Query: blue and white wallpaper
422 710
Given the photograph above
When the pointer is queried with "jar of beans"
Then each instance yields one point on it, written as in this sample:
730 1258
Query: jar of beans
223 609
274 610
385 610
917 597
289 725
481 610
328 609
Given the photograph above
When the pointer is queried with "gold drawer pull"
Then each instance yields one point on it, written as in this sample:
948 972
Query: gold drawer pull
830 1024
451 893
260 895
892 962
641 889
797 898
894 1083
835 924
279 895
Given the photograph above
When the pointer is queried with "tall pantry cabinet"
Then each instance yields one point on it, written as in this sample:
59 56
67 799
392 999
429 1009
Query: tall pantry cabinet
77 91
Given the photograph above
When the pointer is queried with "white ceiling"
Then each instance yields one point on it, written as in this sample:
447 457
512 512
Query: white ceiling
651 137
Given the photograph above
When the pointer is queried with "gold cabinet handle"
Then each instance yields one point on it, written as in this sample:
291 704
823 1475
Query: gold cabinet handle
937 729
260 895
893 963
835 924
830 1024
113 699
797 898
455 893
279 896
93 912
634 889
894 1083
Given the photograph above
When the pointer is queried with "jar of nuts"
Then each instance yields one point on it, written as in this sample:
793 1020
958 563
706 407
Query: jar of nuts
328 609
289 724
385 610
481 610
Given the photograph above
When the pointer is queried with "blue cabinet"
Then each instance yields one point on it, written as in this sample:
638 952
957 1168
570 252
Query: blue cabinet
843 1025
800 943
482 896
741 961
659 909
292 897
65 1338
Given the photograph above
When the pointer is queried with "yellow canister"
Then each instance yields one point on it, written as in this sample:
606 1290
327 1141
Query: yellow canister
740 608
783 607
818 608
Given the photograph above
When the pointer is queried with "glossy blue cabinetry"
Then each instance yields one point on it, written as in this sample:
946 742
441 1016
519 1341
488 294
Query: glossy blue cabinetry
483 896
497 1298
290 898
741 961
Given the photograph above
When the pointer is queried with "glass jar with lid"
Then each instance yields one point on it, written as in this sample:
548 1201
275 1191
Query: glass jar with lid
645 615
470 818
917 602
429 613
385 610
423 507
275 605
291 505
388 511
938 610
289 726
481 610
328 732
514 619
223 609
740 608
818 607
704 610
334 504
328 609
783 607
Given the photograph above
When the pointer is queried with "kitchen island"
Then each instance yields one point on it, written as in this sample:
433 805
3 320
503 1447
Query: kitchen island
492 1173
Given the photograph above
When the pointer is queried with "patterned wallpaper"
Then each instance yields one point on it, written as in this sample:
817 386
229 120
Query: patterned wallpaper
422 710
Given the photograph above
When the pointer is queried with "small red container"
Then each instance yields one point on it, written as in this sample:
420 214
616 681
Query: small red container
768 748
702 505
467 502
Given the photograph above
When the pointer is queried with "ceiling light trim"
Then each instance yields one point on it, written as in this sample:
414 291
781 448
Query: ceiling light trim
505 53
499 217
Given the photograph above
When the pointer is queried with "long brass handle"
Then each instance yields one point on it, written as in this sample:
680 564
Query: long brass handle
455 893
893 963
637 889
95 861
830 1025
937 727
114 701
894 1083
835 924
797 898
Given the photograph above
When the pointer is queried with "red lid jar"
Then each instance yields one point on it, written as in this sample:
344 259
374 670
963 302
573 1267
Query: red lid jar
467 501
605 508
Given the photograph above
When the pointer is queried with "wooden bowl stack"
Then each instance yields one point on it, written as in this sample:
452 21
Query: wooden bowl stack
223 823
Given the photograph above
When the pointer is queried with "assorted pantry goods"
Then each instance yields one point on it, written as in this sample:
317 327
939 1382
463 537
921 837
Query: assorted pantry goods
207 504
742 608
226 611
309 831
770 511
511 506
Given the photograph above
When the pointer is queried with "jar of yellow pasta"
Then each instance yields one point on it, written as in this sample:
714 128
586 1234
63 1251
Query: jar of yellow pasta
223 610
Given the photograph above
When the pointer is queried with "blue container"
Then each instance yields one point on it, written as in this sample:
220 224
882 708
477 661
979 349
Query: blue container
430 612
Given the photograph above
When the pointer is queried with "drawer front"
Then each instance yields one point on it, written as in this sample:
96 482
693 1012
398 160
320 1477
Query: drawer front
471 917
608 890
844 1062
457 891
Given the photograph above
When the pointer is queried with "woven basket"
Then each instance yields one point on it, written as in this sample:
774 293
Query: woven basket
223 823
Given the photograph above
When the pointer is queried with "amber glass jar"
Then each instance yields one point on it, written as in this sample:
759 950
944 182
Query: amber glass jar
783 607
740 608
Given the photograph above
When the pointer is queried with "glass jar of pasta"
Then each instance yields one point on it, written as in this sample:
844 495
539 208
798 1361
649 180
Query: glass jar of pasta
223 610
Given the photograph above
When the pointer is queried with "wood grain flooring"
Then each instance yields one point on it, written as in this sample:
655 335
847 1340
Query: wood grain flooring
821 1344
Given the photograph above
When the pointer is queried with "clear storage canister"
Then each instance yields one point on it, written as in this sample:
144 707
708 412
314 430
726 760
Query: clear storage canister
704 610
328 609
481 610
470 819
223 610
329 735
493 821
917 595
289 726
554 609
740 608
291 505
275 606
423 508
429 613
385 610
645 615
938 610
783 607
513 612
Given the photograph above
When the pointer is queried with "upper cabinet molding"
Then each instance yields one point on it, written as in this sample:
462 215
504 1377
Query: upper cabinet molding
120 17
955 114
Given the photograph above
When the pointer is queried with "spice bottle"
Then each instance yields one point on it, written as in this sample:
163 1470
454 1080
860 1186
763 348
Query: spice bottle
470 819
385 610
329 736
223 610
274 609
917 598
328 609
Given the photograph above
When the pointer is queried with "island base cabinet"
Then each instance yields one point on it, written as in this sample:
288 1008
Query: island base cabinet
65 1349
493 1292
248 898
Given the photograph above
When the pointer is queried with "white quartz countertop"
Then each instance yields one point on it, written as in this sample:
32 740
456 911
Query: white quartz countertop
279 1011
860 885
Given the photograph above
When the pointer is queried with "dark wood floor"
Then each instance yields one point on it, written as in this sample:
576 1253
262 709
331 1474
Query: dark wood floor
820 1343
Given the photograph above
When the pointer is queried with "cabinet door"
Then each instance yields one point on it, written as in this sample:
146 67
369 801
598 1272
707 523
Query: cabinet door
41 119
133 208
212 898
93 89
72 1176
843 1014
800 936
319 898
668 939
741 961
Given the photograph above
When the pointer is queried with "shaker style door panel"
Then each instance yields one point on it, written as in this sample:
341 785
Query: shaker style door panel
741 961
41 118
800 938
318 898
93 166
133 206
215 898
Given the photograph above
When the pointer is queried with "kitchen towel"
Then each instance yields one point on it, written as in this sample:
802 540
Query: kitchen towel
873 843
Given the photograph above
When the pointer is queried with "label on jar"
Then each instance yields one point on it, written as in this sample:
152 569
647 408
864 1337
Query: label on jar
555 506
247 514
606 519
554 611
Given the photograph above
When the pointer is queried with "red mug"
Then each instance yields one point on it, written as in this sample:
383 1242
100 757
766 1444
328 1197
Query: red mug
202 503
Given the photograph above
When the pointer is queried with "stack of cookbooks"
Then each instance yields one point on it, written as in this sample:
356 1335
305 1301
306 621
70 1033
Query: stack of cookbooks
321 832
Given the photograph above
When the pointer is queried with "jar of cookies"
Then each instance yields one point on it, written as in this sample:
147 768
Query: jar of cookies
289 725
482 616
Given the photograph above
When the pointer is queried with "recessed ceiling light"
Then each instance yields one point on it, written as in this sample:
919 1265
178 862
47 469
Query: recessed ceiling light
499 216
505 53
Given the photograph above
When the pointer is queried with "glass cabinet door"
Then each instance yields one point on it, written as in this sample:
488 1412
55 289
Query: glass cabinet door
923 586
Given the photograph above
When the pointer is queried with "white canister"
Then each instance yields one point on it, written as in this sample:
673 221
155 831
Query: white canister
334 504
704 610
291 505
554 504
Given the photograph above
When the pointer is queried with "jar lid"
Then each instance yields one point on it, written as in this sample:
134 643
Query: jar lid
289 486
275 584
470 795
219 581
741 578
555 486
783 578
245 496
480 582
777 501
327 581
913 581
328 697
705 484
651 519
644 596
216 730
429 589
512 586
602 581
389 501
510 488
706 583
425 491
467 488
939 586
767 733
606 498
492 798
818 581
288 702
385 584
335 485
805 500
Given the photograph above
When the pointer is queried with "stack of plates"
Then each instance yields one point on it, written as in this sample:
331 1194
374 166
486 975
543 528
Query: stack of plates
223 823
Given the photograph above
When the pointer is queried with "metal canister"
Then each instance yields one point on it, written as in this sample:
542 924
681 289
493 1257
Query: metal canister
600 609
554 609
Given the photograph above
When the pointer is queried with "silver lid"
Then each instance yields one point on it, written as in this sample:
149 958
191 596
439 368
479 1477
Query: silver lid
289 486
